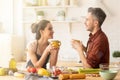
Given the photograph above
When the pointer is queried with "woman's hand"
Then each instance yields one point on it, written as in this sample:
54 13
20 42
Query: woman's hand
54 50
53 55
51 49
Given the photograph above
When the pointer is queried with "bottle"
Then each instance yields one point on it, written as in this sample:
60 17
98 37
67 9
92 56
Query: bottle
39 2
44 2
64 2
12 64
31 2
73 2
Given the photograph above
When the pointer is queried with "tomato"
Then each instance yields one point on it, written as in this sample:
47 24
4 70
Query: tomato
31 69
57 72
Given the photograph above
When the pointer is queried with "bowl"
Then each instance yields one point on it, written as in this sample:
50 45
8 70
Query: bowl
111 66
108 74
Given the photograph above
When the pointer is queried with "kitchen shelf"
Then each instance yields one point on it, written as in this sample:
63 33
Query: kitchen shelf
30 16
56 21
66 21
35 7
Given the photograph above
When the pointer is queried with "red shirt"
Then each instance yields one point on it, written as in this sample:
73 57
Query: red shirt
97 49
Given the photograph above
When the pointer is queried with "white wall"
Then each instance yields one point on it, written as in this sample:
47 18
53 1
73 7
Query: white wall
112 25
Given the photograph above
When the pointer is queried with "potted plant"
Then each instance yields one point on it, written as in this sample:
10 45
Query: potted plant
40 15
61 15
116 54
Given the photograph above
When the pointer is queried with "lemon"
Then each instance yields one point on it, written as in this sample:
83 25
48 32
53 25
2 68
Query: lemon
43 72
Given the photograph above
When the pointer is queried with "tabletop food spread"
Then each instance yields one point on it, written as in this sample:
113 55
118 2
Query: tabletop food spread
60 73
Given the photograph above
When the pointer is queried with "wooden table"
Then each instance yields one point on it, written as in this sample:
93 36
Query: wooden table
61 63
87 78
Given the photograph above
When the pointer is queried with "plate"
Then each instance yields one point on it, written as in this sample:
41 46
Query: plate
54 77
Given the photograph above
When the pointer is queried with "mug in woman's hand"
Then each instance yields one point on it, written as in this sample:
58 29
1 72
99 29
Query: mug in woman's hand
55 43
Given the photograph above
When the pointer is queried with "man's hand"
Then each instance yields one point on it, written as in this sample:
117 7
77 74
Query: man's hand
76 44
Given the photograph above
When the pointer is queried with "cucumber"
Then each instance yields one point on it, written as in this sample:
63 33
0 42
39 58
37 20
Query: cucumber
89 71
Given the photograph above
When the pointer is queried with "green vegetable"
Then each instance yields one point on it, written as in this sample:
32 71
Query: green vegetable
116 54
89 71
40 13
61 13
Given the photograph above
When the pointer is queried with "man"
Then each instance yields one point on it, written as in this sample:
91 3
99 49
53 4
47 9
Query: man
97 50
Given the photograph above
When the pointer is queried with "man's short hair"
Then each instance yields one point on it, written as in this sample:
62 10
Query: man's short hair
98 13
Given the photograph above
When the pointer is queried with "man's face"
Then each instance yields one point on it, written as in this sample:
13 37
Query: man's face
89 22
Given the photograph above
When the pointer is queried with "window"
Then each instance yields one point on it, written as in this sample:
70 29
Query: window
6 16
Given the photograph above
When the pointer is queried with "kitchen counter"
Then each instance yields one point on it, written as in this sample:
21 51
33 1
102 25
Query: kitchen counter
87 78
60 63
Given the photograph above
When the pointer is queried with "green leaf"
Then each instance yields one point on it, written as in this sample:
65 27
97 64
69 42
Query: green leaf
116 54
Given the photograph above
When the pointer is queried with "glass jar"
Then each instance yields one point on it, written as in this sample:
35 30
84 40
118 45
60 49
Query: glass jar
73 2
53 2
39 2
64 2
44 2
31 2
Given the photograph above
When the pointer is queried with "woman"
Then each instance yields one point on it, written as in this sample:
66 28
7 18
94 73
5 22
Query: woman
40 51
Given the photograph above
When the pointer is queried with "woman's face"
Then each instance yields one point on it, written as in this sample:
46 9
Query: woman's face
48 31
